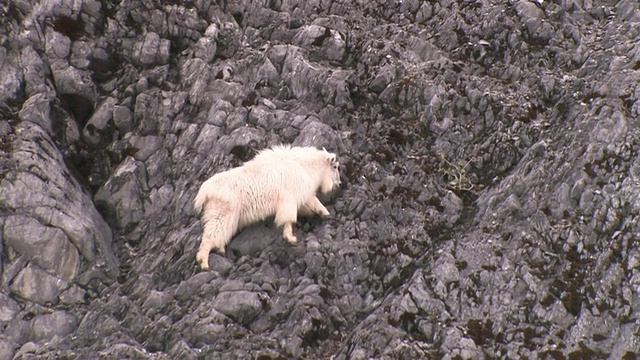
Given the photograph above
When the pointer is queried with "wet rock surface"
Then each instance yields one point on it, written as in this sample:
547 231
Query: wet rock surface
490 197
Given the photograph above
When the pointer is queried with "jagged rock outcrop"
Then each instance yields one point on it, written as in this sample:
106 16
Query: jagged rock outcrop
489 206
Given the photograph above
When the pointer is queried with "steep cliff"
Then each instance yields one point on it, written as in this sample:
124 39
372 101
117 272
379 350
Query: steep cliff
491 178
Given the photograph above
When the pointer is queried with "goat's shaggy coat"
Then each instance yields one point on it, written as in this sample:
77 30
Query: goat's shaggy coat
279 181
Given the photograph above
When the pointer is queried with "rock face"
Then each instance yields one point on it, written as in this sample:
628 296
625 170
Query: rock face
491 177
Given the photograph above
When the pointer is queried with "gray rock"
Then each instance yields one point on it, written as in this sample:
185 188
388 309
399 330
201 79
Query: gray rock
151 50
453 207
1 259
218 113
45 189
73 295
188 288
181 350
123 118
145 146
380 82
315 133
34 284
146 114
533 18
73 81
209 136
11 78
245 137
57 44
224 90
37 110
96 132
34 73
537 250
253 240
268 73
7 348
48 247
19 331
330 41
156 302
267 118
308 35
237 119
119 198
79 57
206 46
456 345
314 262
331 88
241 306
58 323
159 199
8 308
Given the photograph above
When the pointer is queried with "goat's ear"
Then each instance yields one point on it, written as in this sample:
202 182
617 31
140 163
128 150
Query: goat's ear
323 149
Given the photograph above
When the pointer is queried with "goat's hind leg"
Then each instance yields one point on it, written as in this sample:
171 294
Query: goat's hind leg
217 232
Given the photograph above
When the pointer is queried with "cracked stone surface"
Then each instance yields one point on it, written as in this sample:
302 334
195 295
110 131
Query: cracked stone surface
490 170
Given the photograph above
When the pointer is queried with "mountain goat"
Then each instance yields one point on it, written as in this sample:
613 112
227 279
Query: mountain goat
280 181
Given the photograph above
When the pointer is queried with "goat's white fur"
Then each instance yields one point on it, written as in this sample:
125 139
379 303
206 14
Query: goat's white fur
280 181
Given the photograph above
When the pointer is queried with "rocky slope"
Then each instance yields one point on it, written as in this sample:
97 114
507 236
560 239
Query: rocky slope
491 178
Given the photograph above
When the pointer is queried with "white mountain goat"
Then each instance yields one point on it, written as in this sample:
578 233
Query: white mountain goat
280 181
